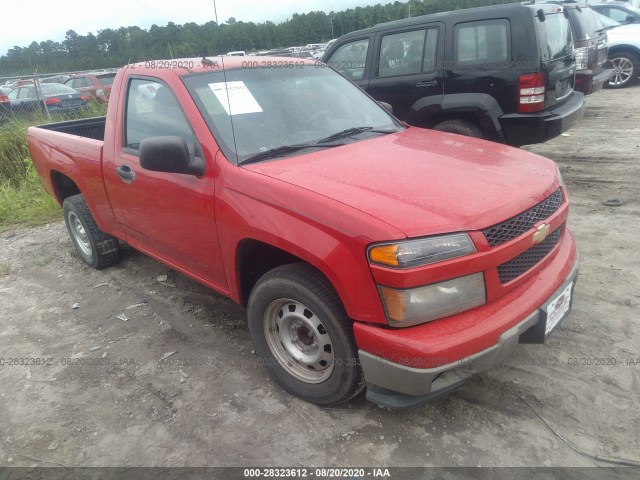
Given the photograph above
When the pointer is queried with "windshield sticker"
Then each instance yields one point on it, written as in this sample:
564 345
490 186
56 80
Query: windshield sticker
236 95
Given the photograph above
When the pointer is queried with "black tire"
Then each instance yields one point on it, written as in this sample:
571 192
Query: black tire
95 247
626 70
302 301
461 127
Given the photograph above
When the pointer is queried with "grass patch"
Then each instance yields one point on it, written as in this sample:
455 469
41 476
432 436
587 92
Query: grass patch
23 200
26 203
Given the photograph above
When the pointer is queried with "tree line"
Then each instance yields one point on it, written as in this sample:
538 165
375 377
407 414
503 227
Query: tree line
116 47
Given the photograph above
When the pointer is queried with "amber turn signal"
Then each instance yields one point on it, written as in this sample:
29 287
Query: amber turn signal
384 254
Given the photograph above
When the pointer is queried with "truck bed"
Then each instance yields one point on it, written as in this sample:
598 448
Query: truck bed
86 127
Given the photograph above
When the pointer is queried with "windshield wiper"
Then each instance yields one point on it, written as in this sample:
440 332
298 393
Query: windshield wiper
352 131
283 150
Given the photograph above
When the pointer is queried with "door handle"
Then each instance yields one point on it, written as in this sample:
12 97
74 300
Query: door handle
125 172
427 83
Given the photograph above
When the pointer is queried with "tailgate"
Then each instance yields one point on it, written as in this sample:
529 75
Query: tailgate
556 44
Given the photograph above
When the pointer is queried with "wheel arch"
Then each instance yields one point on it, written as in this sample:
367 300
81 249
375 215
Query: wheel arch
480 109
625 49
63 186
255 257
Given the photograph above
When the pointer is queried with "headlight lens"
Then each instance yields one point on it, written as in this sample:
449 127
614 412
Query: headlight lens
413 306
559 175
423 251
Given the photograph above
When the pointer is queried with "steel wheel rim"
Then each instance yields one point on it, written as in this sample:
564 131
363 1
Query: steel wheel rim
80 234
623 70
299 341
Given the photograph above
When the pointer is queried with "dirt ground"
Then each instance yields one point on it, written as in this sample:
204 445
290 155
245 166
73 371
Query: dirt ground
107 397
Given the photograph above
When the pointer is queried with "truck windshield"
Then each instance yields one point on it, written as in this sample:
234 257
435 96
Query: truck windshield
261 113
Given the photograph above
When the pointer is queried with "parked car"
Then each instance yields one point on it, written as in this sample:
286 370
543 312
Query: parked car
590 40
98 85
367 253
624 52
504 73
628 3
237 53
55 79
618 11
5 106
57 97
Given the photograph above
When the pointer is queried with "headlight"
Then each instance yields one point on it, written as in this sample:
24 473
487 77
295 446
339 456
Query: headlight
413 253
559 175
409 307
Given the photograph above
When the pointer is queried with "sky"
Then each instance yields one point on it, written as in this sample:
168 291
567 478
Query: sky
37 23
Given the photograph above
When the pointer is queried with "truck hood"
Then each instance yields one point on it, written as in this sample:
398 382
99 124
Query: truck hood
423 182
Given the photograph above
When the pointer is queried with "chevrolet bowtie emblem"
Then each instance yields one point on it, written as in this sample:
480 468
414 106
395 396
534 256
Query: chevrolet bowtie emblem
541 233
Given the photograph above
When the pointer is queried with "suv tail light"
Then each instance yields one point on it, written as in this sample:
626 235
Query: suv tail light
531 90
582 58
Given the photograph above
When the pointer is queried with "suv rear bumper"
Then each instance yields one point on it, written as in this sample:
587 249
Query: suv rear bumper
588 83
529 128
398 385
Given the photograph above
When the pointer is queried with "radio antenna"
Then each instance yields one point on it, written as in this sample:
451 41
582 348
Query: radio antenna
226 90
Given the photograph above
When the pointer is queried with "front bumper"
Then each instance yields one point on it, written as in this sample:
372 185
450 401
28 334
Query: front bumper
398 385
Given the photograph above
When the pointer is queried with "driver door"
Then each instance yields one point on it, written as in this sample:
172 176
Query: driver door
168 215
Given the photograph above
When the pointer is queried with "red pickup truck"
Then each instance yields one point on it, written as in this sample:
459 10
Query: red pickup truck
368 253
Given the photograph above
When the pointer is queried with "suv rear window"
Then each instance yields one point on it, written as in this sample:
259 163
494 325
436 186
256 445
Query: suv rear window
585 23
482 42
106 79
559 37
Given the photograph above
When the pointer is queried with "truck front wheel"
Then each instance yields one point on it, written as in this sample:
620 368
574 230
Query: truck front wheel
303 335
95 247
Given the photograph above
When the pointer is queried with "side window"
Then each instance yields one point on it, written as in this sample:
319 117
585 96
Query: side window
85 82
618 15
24 92
350 58
76 83
153 111
13 94
401 53
69 83
482 42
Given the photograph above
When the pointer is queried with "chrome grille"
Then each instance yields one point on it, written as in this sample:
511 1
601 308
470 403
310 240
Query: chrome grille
529 258
516 226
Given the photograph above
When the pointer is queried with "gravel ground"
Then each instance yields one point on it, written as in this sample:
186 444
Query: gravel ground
112 395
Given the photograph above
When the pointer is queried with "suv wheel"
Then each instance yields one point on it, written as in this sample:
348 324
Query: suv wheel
625 70
303 335
461 127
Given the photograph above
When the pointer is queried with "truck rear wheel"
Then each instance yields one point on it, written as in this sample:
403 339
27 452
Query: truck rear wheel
461 127
303 335
94 246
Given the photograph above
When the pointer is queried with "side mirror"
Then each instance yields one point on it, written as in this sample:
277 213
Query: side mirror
387 106
630 19
169 154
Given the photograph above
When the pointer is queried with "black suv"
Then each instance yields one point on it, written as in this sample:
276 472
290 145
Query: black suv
504 73
590 41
